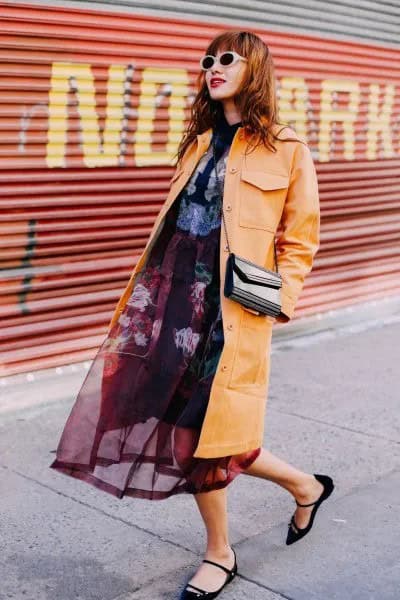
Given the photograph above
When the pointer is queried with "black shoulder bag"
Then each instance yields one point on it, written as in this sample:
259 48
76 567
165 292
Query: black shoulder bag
254 287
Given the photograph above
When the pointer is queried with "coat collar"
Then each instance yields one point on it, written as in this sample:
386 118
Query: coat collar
204 139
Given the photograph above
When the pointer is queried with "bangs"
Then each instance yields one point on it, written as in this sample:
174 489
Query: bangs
225 42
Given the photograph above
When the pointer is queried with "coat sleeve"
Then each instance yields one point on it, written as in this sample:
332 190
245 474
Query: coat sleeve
298 241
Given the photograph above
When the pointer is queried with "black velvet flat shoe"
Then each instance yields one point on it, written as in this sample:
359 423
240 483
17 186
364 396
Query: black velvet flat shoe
296 533
199 593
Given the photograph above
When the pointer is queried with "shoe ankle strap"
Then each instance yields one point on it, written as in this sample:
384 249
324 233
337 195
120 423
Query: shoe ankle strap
229 571
311 503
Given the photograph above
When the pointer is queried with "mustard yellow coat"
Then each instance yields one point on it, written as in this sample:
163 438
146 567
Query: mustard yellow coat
262 190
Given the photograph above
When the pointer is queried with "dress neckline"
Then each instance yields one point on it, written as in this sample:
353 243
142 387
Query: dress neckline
225 130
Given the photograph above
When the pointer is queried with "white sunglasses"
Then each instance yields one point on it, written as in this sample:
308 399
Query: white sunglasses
225 60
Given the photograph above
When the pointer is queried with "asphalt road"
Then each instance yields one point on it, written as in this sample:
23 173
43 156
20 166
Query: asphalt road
333 408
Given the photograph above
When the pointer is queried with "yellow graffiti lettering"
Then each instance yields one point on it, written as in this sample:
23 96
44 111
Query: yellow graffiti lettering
97 152
330 114
379 122
166 90
175 82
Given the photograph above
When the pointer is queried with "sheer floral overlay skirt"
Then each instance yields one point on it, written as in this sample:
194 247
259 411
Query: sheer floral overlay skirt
136 421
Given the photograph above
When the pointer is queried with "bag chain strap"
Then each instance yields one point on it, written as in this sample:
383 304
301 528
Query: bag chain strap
222 209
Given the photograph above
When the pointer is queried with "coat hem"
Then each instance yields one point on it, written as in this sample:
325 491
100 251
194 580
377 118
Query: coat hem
218 450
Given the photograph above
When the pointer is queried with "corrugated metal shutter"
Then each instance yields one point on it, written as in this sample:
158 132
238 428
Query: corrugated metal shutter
365 20
83 174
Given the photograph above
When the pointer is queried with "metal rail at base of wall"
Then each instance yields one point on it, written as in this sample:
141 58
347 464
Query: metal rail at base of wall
348 318
62 384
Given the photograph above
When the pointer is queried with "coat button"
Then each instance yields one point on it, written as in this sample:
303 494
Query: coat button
233 169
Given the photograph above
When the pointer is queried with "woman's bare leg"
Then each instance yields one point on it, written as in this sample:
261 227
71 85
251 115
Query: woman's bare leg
213 509
303 486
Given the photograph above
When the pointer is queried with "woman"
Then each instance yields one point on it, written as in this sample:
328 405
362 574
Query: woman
174 400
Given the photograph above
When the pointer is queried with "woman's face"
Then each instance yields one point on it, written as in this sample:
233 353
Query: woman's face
230 79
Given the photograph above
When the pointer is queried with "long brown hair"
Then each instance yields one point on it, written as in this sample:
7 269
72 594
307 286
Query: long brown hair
256 100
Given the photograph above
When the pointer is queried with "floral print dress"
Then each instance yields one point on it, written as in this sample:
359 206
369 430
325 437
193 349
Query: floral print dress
137 419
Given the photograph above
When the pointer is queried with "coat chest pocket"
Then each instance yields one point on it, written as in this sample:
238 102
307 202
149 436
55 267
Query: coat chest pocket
262 198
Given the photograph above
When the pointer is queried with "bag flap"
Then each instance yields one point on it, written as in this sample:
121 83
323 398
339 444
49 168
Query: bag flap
256 275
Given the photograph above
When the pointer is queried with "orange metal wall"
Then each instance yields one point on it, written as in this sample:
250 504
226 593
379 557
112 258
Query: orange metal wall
93 105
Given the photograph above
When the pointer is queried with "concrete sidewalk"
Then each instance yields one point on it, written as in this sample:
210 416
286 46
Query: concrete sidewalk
333 408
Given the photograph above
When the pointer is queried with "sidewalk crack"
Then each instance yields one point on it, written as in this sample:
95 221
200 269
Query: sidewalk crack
306 418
